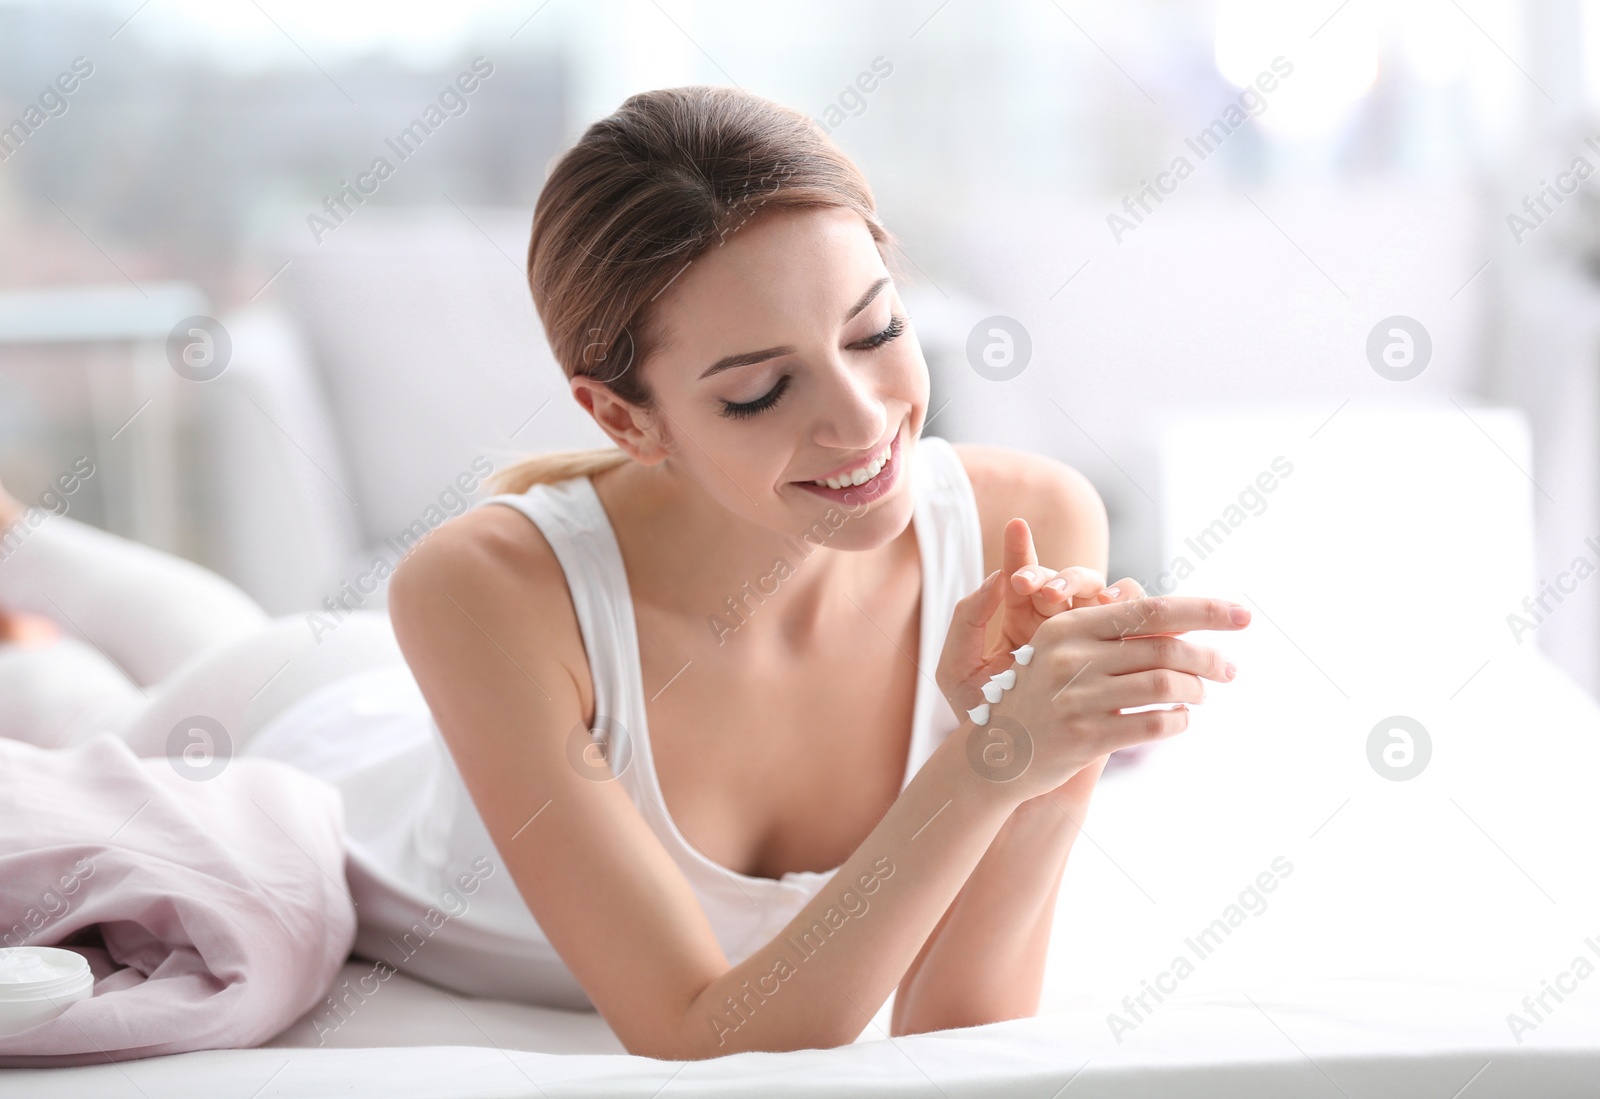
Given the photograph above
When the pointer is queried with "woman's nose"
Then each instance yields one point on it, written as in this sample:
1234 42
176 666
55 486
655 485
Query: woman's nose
853 415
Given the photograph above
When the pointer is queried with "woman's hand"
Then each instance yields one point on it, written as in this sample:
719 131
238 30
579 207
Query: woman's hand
1030 593
1064 710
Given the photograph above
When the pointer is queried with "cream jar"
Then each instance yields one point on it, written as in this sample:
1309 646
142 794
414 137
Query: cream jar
38 983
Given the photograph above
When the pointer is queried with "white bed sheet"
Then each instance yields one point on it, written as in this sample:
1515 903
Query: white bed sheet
1363 1039
1416 918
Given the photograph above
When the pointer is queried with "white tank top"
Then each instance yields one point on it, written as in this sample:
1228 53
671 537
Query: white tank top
432 895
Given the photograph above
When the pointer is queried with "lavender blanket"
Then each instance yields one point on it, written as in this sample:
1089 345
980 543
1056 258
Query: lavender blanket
213 912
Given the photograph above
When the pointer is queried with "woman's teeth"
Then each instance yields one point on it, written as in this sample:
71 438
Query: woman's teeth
862 475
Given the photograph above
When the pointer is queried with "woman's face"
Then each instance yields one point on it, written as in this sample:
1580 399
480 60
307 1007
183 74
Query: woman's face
788 358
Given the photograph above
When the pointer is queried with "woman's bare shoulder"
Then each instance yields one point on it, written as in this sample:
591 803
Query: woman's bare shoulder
489 563
1065 512
485 546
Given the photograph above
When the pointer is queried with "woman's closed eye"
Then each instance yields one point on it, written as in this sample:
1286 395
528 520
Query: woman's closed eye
897 325
760 404
745 409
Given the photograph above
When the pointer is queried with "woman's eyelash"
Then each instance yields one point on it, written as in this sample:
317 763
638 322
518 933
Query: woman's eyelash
760 404
734 411
897 325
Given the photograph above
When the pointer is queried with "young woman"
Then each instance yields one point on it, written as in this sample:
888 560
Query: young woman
721 730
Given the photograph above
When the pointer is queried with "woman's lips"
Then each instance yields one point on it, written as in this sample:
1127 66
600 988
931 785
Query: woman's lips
868 491
851 467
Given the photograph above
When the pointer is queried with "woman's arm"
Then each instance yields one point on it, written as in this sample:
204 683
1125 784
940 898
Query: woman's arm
820 982
485 621
985 960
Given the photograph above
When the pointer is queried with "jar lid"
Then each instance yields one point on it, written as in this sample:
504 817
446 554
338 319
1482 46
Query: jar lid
40 972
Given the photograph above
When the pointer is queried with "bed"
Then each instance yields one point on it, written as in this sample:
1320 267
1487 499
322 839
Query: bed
1418 916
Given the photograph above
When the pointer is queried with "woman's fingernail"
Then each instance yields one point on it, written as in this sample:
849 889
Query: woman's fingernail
1239 616
1029 575
1229 671
1059 584
1112 592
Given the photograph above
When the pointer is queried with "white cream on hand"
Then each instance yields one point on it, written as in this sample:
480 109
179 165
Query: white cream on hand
998 684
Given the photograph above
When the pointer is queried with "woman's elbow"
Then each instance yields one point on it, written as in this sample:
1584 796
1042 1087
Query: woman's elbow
705 1032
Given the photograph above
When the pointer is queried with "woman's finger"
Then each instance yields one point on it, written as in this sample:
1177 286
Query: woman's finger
963 654
1158 687
1123 590
1069 587
1054 592
1154 615
1143 654
973 611
1016 554
1125 730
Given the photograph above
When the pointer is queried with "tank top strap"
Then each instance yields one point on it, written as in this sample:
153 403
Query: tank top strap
954 540
950 543
573 520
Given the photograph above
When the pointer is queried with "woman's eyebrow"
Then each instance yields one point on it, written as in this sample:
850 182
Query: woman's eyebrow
750 358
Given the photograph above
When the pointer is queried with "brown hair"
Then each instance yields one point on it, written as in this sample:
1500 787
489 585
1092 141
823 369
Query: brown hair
643 193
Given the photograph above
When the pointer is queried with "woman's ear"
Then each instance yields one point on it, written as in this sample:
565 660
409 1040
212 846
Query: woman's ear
633 429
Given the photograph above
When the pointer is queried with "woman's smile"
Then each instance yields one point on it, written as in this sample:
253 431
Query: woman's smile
882 475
